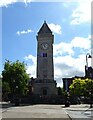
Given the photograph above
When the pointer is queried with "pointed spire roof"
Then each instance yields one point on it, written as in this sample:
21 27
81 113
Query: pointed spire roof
44 29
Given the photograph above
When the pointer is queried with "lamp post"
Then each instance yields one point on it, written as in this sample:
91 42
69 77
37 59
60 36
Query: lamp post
87 56
90 76
91 91
86 66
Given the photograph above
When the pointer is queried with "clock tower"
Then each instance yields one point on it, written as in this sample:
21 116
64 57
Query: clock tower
44 84
45 67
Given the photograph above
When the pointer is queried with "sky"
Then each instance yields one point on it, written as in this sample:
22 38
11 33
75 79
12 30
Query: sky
70 22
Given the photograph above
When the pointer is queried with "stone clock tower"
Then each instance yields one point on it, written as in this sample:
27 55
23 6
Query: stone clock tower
44 84
45 39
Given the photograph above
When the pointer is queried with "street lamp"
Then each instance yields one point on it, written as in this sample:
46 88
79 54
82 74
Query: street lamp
87 56
86 66
90 75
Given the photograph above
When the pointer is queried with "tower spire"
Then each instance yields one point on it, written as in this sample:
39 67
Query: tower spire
44 29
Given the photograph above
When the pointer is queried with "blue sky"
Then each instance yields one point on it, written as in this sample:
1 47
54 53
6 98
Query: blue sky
70 23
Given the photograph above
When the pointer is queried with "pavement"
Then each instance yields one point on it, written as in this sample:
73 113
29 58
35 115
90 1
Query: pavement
81 111
35 111
74 112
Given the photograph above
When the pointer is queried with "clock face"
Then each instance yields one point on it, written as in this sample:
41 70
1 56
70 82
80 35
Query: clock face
45 46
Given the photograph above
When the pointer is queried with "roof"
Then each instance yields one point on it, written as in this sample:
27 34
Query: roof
44 29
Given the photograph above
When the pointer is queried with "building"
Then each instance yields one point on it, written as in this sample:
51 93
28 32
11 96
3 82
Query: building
44 84
68 81
89 72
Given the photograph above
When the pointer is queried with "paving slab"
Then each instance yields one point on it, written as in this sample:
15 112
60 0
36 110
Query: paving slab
36 111
79 112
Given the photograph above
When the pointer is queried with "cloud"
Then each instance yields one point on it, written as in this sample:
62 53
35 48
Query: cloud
81 42
30 57
24 32
55 28
61 48
67 66
8 2
27 1
31 70
68 48
31 65
82 13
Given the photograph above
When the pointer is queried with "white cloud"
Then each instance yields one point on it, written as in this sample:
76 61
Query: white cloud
66 66
31 70
27 1
61 48
31 65
30 57
67 48
82 13
8 2
24 32
55 28
81 42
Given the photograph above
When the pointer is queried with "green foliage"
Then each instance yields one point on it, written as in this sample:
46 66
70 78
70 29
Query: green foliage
15 76
80 86
6 87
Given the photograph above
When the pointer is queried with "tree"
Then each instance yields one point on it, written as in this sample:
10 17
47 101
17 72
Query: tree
5 90
14 76
80 87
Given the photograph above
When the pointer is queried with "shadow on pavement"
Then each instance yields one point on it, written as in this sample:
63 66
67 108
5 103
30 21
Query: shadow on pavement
7 105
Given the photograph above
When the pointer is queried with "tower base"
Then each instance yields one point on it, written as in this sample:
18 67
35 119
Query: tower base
44 87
